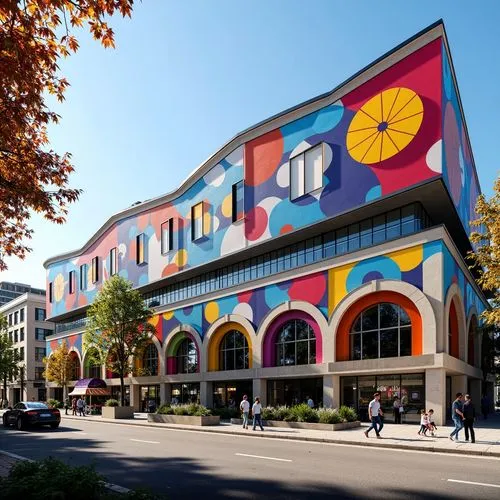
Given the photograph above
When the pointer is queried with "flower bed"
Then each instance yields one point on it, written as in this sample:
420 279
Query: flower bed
191 414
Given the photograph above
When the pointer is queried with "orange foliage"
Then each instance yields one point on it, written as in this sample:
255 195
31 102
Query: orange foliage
34 35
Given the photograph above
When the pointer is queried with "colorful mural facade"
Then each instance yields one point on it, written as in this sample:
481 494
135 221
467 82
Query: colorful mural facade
381 138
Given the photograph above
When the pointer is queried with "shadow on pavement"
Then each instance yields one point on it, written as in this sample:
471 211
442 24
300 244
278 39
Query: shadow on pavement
186 478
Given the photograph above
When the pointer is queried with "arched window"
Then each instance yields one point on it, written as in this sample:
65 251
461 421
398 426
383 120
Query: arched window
453 333
381 331
187 357
92 367
295 344
74 367
233 351
150 360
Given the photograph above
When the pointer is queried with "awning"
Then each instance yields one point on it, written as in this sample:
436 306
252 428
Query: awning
90 387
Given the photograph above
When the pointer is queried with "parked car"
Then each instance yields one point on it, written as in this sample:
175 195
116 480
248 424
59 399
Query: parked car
31 413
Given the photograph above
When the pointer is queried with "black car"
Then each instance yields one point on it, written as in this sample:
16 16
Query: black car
31 413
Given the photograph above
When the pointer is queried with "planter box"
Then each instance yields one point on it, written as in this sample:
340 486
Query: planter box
117 412
183 419
303 425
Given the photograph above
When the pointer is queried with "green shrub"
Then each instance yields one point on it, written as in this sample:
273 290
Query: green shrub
180 410
165 410
329 416
51 479
53 403
281 412
348 414
198 410
269 413
112 402
303 413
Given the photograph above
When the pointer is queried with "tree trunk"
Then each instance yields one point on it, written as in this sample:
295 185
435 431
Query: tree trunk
122 390
65 392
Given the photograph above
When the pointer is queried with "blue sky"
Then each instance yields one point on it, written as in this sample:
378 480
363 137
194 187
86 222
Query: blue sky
187 76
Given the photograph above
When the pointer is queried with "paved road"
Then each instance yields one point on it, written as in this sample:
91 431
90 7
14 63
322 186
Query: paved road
187 465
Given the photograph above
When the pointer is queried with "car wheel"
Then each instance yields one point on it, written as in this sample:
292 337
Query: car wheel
20 424
5 423
54 426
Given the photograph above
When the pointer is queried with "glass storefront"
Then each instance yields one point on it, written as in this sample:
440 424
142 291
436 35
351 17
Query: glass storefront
358 392
116 393
229 394
294 391
185 393
150 393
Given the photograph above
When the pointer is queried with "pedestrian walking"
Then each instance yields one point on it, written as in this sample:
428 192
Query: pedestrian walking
310 402
457 415
375 413
424 423
245 409
151 406
80 404
470 415
73 406
256 412
432 424
398 410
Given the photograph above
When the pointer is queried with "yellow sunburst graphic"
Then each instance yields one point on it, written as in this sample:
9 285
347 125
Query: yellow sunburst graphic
385 125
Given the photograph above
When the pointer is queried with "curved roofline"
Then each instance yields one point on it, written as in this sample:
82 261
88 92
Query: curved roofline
376 67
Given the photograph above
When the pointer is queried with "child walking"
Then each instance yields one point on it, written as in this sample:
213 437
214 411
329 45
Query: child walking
432 426
424 423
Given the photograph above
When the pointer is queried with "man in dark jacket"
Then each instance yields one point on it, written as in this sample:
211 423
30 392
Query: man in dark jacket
469 414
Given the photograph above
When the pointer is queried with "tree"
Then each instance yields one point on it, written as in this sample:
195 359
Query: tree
118 325
486 257
34 36
9 358
58 367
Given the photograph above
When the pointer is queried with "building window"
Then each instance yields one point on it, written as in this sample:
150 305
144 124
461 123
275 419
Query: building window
21 334
51 290
113 261
42 333
40 353
74 368
21 315
296 344
16 317
39 314
150 360
167 236
95 269
233 351
16 336
187 357
84 269
21 353
10 319
381 331
72 282
39 372
197 229
140 251
306 172
237 199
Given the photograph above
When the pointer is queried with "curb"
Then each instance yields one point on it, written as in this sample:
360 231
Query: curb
376 444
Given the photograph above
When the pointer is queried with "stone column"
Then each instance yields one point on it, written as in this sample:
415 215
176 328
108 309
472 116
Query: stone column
206 394
135 396
435 393
260 390
328 392
458 384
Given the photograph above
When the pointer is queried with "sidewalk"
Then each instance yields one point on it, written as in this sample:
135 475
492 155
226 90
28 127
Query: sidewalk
394 436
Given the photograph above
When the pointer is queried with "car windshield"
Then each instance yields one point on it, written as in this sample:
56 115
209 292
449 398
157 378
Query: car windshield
37 406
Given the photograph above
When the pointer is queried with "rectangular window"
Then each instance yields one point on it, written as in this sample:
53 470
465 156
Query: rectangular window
21 315
21 334
21 353
84 270
10 319
140 255
95 269
197 229
167 236
10 337
72 282
16 317
306 172
39 353
237 201
39 372
113 261
39 314
51 286
16 335
42 333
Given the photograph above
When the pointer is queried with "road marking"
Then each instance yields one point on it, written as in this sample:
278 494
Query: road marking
265 458
474 484
143 441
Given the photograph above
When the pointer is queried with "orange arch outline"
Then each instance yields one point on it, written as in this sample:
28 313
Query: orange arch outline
216 339
342 337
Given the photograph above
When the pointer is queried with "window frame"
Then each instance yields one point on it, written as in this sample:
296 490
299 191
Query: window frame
84 271
182 357
193 208
140 248
234 201
148 360
223 350
51 291
304 176
113 261
165 249
95 269
72 282
280 354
